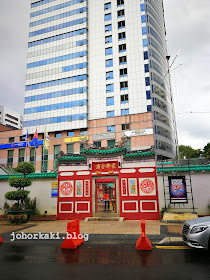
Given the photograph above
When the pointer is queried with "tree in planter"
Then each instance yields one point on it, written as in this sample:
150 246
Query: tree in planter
20 195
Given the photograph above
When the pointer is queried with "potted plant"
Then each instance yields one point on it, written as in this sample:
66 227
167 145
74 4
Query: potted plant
18 212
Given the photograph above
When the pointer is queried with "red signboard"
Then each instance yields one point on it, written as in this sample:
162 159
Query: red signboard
109 167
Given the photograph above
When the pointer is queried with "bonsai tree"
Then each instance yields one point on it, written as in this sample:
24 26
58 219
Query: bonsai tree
20 183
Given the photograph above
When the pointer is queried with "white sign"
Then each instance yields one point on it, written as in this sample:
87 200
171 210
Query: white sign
101 136
139 132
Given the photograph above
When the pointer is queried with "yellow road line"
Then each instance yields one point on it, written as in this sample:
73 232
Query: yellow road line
172 247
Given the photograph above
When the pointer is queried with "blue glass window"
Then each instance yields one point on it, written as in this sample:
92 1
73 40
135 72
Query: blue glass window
149 108
145 55
70 133
110 88
83 131
110 128
108 39
142 8
74 67
144 43
109 63
54 8
124 72
157 37
123 85
146 68
56 59
123 60
121 36
57 134
148 94
109 75
122 48
143 19
108 28
55 94
121 13
124 99
56 106
144 30
56 82
36 4
58 37
110 114
107 6
55 120
110 101
63 15
108 51
108 17
120 2
121 24
57 27
147 81
124 112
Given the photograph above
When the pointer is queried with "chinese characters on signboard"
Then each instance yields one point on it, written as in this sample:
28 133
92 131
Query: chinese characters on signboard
87 188
177 189
109 167
124 187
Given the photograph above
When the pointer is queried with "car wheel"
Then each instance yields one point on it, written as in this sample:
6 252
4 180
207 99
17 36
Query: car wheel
209 245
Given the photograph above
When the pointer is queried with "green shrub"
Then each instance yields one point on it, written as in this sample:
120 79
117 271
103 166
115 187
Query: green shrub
31 205
20 195
25 168
19 183
17 195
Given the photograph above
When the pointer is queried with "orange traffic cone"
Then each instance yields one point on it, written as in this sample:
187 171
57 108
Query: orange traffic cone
143 243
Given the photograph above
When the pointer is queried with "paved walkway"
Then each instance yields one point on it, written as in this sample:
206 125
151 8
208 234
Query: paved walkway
96 227
91 227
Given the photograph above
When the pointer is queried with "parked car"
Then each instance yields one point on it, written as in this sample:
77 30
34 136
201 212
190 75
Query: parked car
196 233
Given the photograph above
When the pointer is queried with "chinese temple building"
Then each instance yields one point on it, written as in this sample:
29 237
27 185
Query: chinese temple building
108 182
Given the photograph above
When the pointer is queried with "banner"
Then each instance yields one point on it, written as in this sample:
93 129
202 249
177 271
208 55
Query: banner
75 139
177 189
18 145
139 132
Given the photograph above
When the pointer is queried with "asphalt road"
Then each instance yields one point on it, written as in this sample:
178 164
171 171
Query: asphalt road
99 260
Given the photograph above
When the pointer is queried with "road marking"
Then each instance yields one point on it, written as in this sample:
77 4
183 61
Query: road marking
173 247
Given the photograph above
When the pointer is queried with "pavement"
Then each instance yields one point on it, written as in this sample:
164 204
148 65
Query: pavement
102 230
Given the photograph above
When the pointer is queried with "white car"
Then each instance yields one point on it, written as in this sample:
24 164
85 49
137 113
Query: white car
196 233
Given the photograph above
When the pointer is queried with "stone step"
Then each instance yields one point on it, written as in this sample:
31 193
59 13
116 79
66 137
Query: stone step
116 219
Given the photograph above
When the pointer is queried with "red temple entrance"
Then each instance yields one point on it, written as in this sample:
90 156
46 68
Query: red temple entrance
108 187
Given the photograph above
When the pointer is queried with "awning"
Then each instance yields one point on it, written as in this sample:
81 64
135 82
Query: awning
105 181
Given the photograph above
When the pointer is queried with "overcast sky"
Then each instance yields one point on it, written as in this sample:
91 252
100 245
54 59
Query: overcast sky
188 29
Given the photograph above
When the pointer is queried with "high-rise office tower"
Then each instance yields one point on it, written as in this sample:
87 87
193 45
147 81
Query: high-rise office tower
100 67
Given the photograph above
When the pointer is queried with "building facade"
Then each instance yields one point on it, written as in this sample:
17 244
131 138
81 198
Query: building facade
10 118
100 68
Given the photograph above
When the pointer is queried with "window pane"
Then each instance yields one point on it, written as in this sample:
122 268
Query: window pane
70 148
111 143
108 17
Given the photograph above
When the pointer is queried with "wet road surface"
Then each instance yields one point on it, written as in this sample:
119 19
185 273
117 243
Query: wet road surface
113 260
